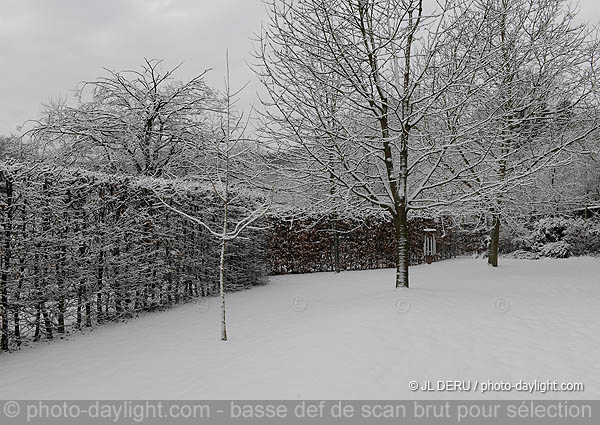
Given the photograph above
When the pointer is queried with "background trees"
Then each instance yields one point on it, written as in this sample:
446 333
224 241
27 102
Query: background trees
540 101
427 111
137 122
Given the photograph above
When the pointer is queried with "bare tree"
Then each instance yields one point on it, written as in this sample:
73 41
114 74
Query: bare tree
380 64
138 122
422 112
226 165
541 101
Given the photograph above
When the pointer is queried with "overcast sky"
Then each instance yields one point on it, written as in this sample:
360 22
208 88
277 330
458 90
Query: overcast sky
48 46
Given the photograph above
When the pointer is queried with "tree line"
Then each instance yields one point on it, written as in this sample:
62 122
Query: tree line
416 108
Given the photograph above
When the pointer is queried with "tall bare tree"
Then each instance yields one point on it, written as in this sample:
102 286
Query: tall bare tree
382 63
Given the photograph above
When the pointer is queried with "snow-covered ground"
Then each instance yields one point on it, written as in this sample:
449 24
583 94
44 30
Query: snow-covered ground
346 336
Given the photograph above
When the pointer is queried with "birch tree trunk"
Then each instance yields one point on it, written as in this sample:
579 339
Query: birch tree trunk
222 289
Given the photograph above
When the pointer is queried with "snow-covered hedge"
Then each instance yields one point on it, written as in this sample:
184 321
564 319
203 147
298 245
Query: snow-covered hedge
81 248
366 242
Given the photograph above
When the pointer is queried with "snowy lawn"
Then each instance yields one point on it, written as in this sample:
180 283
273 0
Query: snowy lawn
352 335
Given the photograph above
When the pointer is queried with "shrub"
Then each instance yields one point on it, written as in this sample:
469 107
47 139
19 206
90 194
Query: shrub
523 255
551 229
583 236
559 249
579 237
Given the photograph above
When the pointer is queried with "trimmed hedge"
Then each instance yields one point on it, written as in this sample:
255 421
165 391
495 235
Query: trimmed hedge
81 248
309 245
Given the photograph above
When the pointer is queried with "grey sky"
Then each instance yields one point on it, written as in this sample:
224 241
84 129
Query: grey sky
48 46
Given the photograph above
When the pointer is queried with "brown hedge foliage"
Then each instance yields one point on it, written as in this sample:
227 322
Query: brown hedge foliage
305 246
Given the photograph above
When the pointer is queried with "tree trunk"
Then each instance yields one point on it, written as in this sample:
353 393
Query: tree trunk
495 239
400 216
37 327
116 253
17 326
222 289
17 305
168 273
333 219
60 328
336 245
6 258
402 258
37 281
88 307
99 287
79 304
47 321
4 317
